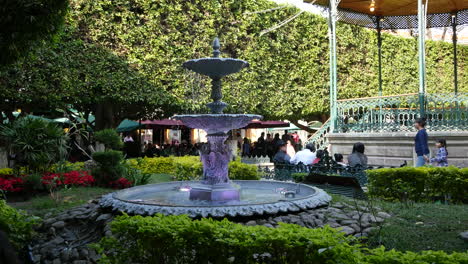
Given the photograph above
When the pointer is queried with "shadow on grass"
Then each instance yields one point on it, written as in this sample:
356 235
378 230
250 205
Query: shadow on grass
419 226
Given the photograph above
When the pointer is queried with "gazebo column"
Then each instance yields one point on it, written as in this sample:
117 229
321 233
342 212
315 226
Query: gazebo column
421 53
379 49
455 60
333 17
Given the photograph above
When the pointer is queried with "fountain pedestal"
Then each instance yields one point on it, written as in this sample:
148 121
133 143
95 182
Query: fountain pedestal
215 184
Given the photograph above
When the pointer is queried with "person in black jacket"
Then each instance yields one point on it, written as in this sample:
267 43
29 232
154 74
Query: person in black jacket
420 142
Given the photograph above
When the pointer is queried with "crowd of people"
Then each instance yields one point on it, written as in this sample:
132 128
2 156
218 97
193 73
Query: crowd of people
166 150
268 146
286 152
310 156
288 149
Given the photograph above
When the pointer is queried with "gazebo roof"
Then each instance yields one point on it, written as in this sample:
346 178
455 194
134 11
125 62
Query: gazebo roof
399 7
399 14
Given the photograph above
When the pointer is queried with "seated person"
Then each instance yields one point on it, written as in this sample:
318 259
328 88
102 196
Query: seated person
357 156
319 156
339 159
306 156
281 156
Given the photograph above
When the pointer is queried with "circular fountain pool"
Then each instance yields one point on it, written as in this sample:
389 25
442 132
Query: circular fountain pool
256 198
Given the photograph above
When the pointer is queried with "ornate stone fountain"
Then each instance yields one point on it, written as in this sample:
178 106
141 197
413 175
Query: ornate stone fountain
215 156
215 195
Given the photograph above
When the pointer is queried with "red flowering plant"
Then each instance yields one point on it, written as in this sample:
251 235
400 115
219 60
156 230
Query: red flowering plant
74 178
9 182
121 183
13 184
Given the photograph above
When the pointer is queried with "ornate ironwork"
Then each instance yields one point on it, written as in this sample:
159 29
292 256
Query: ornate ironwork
447 111
319 138
397 113
400 22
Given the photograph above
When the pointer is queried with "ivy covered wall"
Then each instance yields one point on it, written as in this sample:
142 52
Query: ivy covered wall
288 73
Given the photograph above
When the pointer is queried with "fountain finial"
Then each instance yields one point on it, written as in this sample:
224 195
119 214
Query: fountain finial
216 47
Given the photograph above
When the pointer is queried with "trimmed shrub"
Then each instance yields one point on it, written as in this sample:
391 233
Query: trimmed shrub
419 184
6 171
110 138
189 168
242 171
299 176
17 225
66 166
109 167
153 165
179 239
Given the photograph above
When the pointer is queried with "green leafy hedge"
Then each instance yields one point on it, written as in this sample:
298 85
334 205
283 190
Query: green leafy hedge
17 225
419 184
109 167
190 168
110 138
179 239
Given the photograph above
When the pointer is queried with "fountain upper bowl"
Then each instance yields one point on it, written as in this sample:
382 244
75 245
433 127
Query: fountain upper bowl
217 123
215 67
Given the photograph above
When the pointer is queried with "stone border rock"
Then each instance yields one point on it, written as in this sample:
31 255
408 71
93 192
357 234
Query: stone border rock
65 238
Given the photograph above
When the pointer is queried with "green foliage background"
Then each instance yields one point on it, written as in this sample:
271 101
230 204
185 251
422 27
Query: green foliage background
129 54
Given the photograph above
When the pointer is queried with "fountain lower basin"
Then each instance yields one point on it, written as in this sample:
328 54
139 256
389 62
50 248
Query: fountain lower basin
256 198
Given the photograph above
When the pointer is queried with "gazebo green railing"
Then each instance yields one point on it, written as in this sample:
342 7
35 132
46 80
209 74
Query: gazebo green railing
444 112
395 113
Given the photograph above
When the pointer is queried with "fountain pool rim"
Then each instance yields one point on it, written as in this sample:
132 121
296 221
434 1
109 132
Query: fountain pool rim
317 198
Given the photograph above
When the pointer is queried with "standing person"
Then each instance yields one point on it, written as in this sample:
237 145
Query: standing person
420 142
286 136
261 145
239 140
306 156
295 137
357 156
290 148
442 153
246 147
281 156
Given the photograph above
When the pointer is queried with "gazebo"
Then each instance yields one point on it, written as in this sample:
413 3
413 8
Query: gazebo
387 120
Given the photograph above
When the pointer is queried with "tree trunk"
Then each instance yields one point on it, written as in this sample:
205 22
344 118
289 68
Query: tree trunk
104 116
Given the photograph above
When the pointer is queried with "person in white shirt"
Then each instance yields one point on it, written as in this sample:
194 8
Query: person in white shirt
306 156
128 138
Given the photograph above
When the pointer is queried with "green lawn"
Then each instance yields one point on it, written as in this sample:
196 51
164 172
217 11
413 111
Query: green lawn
64 199
423 226
68 198
419 226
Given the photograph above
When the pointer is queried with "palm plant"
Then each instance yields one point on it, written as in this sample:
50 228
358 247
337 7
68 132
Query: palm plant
36 143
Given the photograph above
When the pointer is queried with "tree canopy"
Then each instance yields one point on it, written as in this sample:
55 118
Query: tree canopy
127 55
24 22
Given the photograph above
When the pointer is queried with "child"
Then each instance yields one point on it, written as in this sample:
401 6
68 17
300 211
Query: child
441 157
